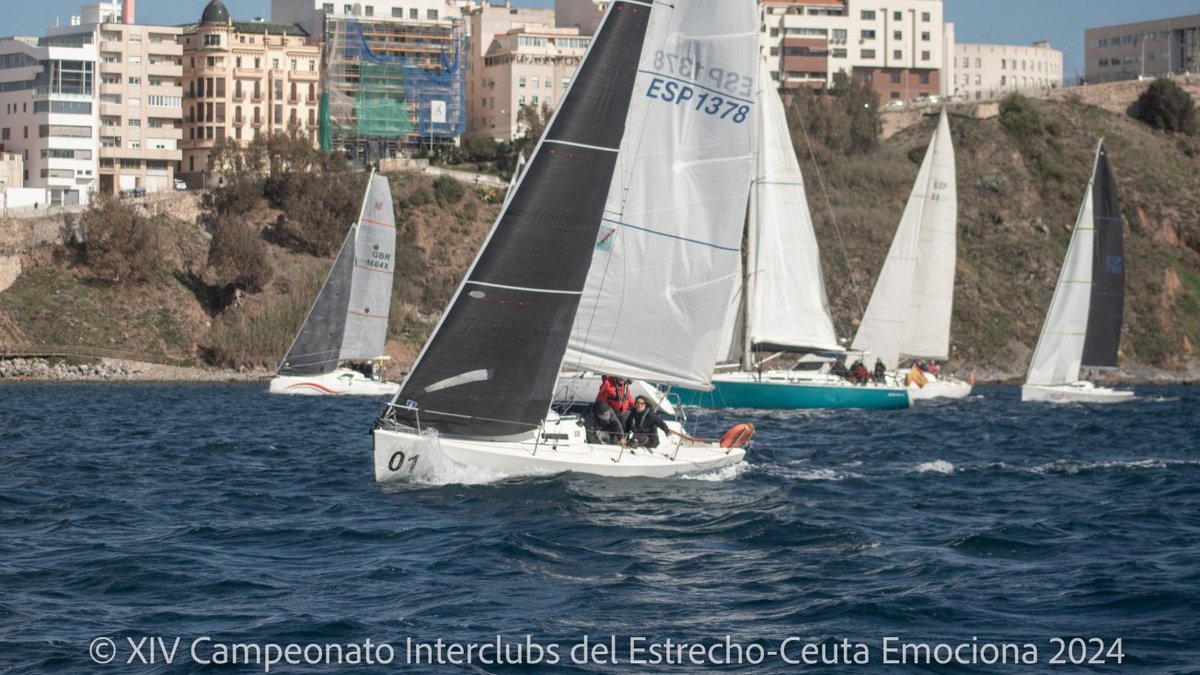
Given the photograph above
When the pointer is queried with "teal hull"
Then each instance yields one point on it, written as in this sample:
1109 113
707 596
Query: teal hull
783 395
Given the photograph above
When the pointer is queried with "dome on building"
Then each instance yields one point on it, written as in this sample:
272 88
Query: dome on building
215 13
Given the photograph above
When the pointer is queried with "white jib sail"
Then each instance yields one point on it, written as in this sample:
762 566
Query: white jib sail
931 301
371 282
665 267
884 328
1059 351
788 305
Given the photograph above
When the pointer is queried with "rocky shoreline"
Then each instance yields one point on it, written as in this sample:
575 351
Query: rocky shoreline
118 370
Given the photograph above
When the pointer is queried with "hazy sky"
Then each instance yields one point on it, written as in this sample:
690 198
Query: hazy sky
1017 22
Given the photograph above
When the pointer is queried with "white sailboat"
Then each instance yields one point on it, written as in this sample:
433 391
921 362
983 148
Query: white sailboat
1083 326
783 304
644 161
908 316
348 321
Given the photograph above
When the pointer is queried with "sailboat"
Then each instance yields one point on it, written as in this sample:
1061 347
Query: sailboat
908 316
642 159
1083 326
348 321
783 306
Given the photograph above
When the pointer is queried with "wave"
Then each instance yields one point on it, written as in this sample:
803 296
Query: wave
936 466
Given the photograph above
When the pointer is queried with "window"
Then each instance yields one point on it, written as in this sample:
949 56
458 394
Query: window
867 54
966 62
414 13
534 81
895 78
521 81
397 13
924 17
135 80
164 101
135 145
897 16
135 60
925 56
327 7
897 54
897 35
370 10
212 40
868 15
978 61
135 122
867 34
924 36
924 78
520 100
431 14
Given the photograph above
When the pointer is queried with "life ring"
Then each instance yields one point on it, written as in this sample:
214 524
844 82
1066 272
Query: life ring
738 435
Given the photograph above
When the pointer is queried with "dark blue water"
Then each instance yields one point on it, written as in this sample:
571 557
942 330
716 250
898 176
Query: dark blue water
220 512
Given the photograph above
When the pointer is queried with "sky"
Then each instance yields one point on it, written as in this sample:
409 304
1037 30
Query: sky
1016 22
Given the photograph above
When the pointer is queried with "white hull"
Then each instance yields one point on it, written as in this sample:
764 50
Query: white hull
560 445
1076 392
341 382
936 387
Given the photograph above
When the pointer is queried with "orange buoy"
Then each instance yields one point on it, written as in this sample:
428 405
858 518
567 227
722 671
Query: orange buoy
738 435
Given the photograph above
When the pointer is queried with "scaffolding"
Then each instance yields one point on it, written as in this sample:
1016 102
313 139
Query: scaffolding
392 86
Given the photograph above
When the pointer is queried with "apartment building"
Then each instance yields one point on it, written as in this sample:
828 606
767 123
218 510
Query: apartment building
992 71
242 79
1142 49
48 99
902 48
394 72
584 15
141 98
485 22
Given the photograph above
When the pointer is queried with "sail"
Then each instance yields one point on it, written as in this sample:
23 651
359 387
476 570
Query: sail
349 318
665 265
488 370
371 282
1059 351
788 306
1107 307
927 334
885 330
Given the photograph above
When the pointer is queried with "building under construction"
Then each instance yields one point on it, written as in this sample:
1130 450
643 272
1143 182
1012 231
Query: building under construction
392 87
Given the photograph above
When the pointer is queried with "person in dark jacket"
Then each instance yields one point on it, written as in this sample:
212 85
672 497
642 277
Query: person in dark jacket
642 428
880 371
604 425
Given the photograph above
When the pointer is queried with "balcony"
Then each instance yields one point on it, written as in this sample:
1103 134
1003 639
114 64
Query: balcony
258 122
304 75
239 121
311 100
171 69
253 73
239 96
293 99
257 97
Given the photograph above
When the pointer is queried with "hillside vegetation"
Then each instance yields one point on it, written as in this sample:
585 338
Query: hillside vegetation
230 288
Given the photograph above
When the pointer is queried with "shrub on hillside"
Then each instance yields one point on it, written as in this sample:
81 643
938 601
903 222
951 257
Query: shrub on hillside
448 190
118 243
238 257
1020 117
418 198
844 120
1166 106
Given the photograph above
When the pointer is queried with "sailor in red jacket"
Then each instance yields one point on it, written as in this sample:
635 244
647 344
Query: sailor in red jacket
615 392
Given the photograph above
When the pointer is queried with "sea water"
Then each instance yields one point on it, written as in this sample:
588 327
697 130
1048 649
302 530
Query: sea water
156 528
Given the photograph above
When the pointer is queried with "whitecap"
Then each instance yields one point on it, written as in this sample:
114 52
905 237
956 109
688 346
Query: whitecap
936 466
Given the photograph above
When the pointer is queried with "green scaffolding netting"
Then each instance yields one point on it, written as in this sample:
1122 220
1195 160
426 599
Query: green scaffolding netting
380 107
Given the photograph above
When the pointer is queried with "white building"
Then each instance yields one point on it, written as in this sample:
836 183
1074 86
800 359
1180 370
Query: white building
584 15
992 71
901 47
310 14
48 97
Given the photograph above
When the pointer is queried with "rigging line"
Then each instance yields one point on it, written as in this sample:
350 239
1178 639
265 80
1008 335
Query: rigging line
862 310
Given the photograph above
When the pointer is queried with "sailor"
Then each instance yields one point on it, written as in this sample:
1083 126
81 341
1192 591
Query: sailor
644 425
603 425
615 392
880 370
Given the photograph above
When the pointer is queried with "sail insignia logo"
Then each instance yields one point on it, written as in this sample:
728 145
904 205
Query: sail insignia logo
1114 264
607 236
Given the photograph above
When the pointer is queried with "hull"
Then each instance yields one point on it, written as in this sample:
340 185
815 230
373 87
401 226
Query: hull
1077 392
341 382
560 445
788 390
936 388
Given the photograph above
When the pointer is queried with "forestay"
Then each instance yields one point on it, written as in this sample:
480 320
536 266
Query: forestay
488 370
349 318
666 260
788 307
909 311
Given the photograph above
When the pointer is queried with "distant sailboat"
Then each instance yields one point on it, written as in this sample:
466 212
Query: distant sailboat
908 316
783 305
348 321
1083 326
629 165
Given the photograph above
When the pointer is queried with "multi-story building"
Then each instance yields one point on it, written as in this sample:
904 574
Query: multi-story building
485 23
48 99
141 94
393 72
1142 49
245 78
991 71
900 47
584 15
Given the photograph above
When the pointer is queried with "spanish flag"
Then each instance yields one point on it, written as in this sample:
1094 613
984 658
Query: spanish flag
915 376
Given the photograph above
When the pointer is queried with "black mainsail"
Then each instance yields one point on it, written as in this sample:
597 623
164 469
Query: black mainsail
1107 307
489 369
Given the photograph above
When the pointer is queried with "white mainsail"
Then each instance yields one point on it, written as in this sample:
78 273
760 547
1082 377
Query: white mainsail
371 282
788 307
909 311
666 264
1059 352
